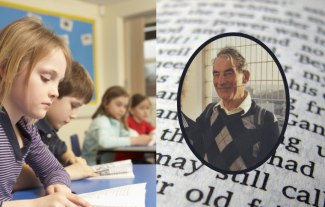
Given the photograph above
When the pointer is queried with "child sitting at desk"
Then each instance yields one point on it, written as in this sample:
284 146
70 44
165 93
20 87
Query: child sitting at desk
139 112
33 60
109 128
75 89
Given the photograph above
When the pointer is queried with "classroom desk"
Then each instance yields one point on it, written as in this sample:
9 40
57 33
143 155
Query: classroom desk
132 149
142 173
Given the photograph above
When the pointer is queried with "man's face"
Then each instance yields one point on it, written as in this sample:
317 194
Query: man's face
227 81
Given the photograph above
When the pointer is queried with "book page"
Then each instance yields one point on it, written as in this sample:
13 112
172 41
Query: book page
113 176
118 167
295 32
129 195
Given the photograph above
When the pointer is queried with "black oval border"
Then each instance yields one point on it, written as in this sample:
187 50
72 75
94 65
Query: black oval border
281 137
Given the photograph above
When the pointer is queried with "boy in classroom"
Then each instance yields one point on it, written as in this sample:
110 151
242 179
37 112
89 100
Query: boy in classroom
109 128
75 90
33 60
139 112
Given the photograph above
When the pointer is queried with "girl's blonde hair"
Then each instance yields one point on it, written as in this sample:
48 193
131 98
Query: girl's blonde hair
23 43
110 94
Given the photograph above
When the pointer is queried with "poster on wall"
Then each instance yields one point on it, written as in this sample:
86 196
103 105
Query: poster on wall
77 32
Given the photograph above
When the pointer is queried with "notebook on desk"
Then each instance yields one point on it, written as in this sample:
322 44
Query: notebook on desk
114 170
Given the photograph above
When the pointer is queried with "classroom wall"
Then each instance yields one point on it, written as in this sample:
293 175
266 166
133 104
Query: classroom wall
109 48
113 29
82 9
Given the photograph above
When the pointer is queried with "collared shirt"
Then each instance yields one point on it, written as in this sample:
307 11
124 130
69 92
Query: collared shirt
35 153
105 132
50 138
245 105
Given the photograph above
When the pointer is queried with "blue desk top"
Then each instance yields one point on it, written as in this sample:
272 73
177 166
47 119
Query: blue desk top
143 173
135 148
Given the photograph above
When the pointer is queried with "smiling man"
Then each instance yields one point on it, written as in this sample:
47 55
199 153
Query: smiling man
233 134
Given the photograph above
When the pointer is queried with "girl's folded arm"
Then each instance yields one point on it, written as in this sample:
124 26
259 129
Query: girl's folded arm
129 133
108 140
44 164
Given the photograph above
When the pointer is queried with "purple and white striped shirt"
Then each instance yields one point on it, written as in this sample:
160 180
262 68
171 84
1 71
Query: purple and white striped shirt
35 153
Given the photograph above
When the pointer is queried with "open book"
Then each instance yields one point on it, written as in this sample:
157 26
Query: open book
295 32
129 195
119 169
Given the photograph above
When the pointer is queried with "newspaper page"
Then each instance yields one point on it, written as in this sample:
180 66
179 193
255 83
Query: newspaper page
295 32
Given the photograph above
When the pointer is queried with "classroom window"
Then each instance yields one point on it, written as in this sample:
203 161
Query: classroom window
150 58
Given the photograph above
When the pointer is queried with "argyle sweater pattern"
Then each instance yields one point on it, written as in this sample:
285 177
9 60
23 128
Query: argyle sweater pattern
232 142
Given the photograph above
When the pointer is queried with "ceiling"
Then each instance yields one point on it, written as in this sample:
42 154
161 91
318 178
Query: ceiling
101 1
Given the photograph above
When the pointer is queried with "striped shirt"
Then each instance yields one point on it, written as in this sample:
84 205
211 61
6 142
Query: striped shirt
35 153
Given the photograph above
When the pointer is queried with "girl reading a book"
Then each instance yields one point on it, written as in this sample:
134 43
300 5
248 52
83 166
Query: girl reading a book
109 128
33 60
139 112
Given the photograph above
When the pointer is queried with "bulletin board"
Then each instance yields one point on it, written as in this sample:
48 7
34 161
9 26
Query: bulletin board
78 33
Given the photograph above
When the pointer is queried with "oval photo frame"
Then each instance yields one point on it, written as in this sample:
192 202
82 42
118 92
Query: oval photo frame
183 121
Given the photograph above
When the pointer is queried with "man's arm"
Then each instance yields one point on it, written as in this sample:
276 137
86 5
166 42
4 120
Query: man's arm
271 134
195 130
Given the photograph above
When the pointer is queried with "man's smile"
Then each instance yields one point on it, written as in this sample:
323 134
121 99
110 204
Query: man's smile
224 88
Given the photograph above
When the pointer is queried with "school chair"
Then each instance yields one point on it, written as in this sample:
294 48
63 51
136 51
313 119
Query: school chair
75 145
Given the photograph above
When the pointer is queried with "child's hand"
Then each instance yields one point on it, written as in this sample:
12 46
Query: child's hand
57 188
61 199
143 139
80 171
75 160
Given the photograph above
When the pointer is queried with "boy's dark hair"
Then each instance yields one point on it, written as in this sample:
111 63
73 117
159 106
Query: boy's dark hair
77 83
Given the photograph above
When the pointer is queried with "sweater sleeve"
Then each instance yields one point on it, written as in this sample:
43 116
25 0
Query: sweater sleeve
46 167
105 135
196 130
271 134
200 121
108 135
129 133
108 140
